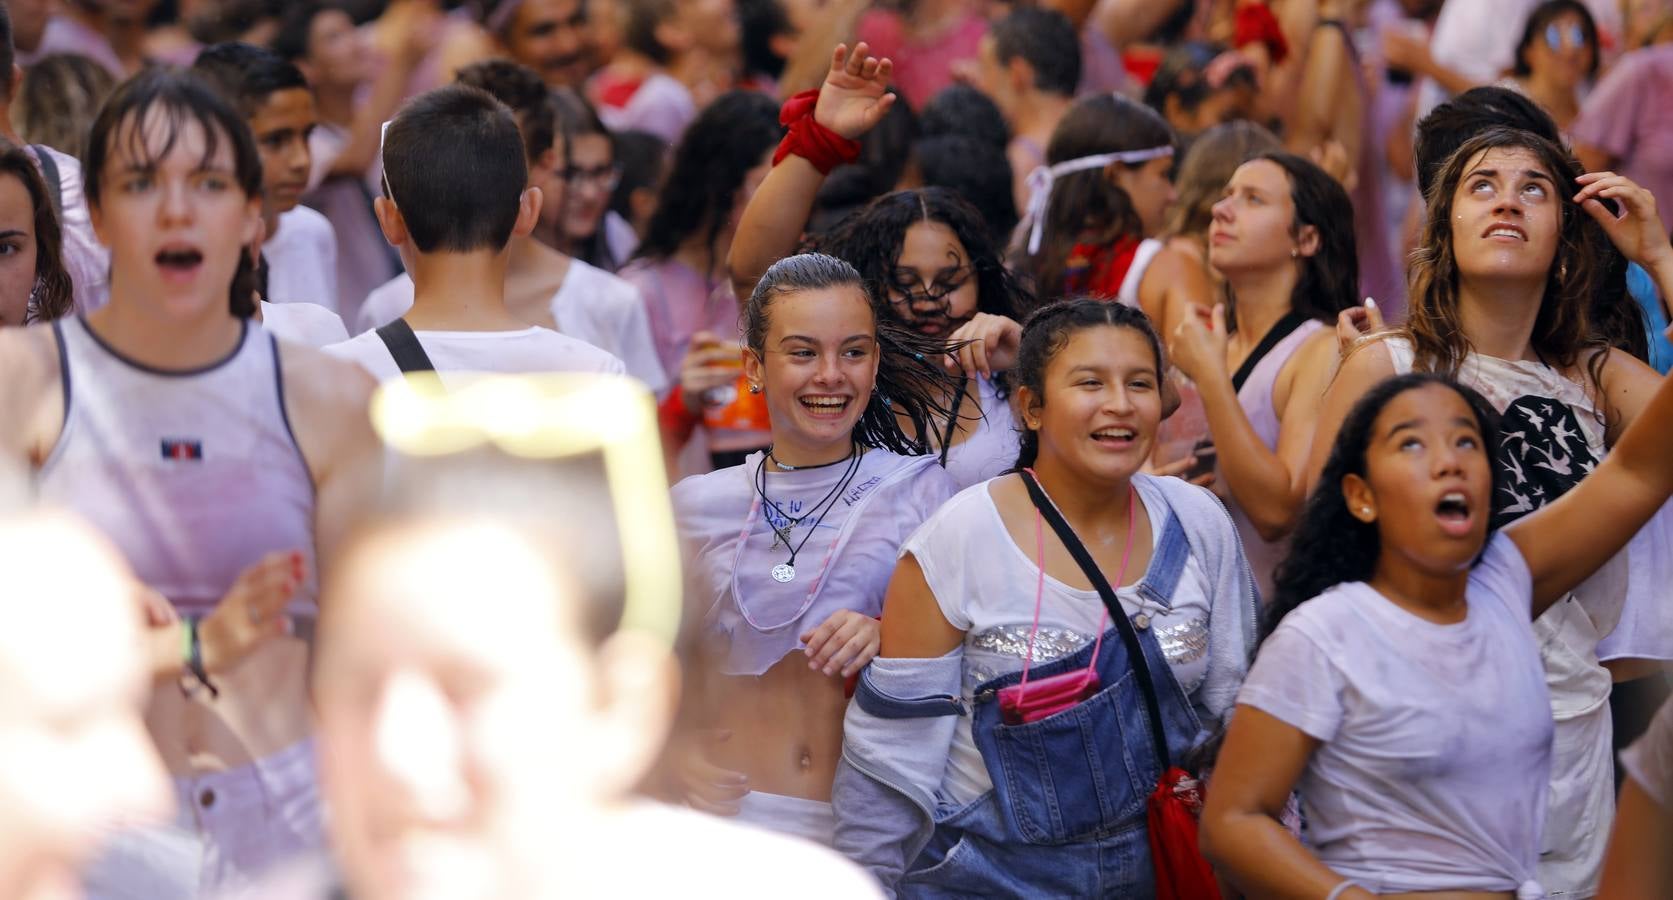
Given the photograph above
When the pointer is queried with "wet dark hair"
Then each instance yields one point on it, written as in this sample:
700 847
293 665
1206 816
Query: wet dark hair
871 240
246 74
523 91
1329 281
1615 315
1449 125
910 376
1542 16
643 157
181 100
727 139
1047 41
54 295
1087 206
976 171
962 110
1050 329
453 165
1330 546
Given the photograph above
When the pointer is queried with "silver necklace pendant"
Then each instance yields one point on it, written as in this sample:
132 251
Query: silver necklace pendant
1141 621
784 573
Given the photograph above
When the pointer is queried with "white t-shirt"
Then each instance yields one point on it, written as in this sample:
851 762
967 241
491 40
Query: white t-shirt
302 259
1436 751
87 260
591 305
303 323
530 350
985 584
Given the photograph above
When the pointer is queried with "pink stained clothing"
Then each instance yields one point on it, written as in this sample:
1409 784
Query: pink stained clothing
729 538
174 467
87 260
1626 117
364 259
680 302
922 68
1262 411
661 106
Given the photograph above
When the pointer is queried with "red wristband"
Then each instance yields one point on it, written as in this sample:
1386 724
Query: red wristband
1257 25
806 138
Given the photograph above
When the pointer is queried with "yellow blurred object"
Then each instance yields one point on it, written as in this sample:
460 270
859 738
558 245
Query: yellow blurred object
552 416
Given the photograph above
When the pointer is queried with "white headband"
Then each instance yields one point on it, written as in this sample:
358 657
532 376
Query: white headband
1040 181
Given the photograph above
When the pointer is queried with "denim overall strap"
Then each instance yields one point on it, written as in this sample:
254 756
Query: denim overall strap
1157 588
875 701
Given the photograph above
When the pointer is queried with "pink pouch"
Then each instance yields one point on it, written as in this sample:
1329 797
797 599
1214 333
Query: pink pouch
1030 701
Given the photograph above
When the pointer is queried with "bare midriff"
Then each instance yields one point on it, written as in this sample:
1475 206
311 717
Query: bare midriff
262 709
786 727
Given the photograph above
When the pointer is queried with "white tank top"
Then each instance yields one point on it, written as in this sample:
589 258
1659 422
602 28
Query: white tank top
1128 295
193 475
1256 400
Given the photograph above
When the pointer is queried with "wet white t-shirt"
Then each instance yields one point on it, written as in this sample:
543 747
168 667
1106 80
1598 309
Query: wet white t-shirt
301 259
527 351
1436 739
303 323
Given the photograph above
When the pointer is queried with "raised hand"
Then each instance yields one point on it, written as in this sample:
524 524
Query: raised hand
1198 348
990 345
855 95
1638 231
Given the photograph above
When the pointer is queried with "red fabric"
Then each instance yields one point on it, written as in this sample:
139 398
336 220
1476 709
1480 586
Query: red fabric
677 422
1171 814
1142 63
1098 270
806 138
615 92
1257 25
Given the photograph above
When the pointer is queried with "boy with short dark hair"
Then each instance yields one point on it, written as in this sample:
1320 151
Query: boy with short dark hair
1030 65
456 192
300 248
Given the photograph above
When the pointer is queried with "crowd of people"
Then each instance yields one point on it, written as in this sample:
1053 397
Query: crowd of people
507 448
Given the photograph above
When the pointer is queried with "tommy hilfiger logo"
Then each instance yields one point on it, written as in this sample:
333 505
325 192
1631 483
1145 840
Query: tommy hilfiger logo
182 448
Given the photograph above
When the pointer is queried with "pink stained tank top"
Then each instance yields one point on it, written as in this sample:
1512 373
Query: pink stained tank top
193 475
1256 399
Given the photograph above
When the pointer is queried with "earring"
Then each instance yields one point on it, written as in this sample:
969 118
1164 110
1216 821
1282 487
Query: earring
755 388
1294 254
1562 271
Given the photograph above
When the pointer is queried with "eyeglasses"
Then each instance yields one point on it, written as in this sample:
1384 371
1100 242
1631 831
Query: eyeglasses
908 288
605 178
1555 33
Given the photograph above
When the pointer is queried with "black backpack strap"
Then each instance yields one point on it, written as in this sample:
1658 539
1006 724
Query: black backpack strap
1283 328
404 347
1130 637
54 179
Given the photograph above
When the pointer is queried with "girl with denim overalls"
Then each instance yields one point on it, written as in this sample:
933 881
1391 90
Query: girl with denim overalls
940 792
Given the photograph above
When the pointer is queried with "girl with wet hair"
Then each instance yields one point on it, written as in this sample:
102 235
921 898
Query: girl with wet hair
222 463
34 285
1290 269
790 552
926 252
1048 802
1502 298
1400 589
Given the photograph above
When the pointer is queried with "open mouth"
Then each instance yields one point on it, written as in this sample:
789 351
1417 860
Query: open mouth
179 260
1453 512
1506 231
1115 437
825 406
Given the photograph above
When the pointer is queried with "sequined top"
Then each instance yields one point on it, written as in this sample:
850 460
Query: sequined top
985 584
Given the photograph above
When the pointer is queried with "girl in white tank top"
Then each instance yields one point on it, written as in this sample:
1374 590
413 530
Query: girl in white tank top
1279 237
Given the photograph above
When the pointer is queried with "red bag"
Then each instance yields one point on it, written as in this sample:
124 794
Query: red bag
1171 813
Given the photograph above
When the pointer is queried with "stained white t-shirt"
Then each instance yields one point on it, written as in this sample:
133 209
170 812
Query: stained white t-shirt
303 323
985 585
1436 739
527 351
301 259
591 305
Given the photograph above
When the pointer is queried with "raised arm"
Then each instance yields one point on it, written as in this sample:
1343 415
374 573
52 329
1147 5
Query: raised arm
1268 483
852 101
1567 541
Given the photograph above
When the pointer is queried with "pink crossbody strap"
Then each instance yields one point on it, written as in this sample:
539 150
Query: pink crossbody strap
1040 585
